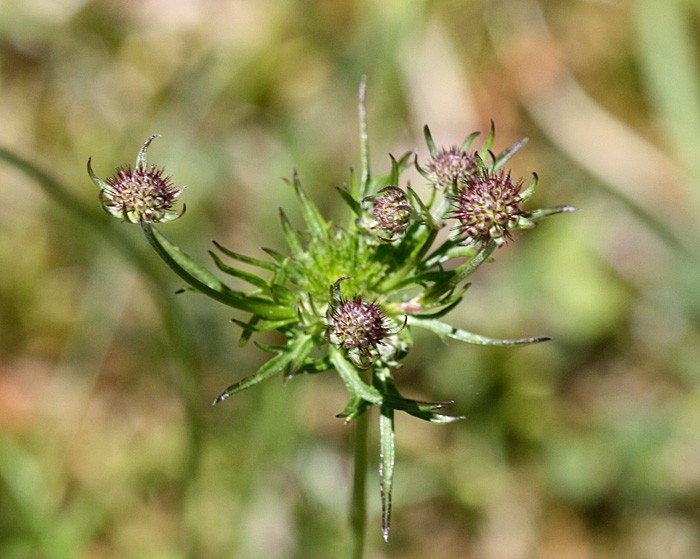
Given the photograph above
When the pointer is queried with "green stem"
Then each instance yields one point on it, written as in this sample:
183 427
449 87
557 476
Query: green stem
358 504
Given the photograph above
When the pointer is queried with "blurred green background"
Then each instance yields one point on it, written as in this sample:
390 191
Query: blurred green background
585 447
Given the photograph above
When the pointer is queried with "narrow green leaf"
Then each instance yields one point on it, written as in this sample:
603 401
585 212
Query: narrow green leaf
205 282
509 152
284 360
470 266
277 256
354 408
446 331
422 410
350 201
537 215
317 226
241 274
291 236
351 377
387 458
270 368
246 259
259 325
313 366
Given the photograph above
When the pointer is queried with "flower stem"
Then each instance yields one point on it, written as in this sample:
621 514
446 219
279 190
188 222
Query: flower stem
358 503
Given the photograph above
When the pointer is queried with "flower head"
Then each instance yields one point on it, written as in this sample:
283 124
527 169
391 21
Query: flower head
391 212
487 206
141 194
357 326
448 167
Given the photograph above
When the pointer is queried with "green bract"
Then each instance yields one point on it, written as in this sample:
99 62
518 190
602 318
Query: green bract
347 296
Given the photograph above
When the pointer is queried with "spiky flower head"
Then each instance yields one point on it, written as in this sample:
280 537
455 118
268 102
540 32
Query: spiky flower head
391 212
487 206
357 326
448 167
141 194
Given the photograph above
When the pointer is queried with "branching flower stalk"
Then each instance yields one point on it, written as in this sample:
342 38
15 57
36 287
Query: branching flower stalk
347 297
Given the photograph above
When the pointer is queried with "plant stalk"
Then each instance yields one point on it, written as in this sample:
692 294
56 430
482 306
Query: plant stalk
358 503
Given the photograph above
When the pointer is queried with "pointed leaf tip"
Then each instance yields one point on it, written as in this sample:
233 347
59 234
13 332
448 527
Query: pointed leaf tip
220 398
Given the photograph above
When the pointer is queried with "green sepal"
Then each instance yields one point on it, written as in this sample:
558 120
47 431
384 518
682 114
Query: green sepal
414 245
470 266
446 331
506 154
101 184
488 143
142 156
398 167
430 142
282 295
469 140
360 389
530 190
286 360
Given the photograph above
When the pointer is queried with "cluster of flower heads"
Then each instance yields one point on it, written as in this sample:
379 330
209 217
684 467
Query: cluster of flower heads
395 272
485 202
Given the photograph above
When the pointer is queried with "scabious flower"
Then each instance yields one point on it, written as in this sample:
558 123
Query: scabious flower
391 213
141 194
487 206
449 166
357 326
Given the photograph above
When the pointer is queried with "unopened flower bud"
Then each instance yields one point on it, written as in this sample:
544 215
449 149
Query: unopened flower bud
449 167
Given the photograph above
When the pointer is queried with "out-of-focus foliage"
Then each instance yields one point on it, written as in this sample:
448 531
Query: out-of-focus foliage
586 446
